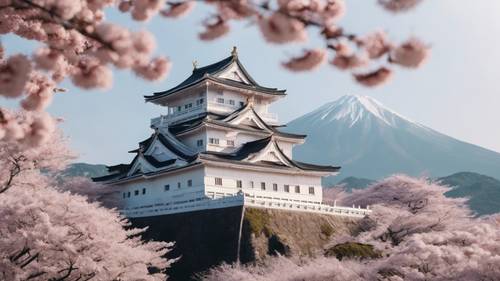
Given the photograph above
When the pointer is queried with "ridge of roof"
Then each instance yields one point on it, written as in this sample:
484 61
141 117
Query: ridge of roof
209 72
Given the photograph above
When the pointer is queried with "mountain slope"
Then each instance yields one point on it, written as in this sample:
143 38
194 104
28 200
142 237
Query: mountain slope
351 183
84 170
483 191
371 141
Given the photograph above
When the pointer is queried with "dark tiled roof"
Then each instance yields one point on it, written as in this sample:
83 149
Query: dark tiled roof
159 164
256 146
209 72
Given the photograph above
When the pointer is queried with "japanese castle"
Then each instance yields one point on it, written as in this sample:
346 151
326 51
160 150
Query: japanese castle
218 146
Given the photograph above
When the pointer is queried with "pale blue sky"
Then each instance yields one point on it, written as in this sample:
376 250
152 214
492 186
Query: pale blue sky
456 92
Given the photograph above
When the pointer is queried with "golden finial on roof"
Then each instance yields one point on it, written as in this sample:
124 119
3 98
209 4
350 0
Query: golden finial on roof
234 52
195 64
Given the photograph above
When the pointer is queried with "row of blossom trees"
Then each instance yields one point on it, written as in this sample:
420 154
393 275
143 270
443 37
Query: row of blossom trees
419 233
48 232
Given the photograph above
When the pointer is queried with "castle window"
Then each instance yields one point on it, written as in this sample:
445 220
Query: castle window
231 102
311 190
242 104
297 189
220 100
179 185
199 102
239 184
128 194
136 192
218 181
190 183
143 191
251 184
230 142
189 105
166 187
286 187
263 185
213 140
275 187
124 194
199 143
179 108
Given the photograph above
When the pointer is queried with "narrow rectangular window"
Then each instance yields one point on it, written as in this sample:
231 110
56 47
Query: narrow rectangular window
136 192
231 102
124 194
218 181
263 185
143 191
128 194
213 140
311 190
242 104
199 143
297 189
251 184
179 185
220 100
190 183
275 187
179 108
238 184
167 187
286 187
230 143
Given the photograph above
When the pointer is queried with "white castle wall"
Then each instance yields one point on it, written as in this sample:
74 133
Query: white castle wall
231 175
155 188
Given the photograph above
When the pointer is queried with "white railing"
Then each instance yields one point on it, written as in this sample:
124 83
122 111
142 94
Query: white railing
174 116
206 203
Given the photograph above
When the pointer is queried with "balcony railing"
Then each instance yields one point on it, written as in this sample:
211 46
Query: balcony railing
240 199
162 120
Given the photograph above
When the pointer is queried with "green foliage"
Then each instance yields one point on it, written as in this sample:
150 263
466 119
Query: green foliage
258 220
353 250
326 229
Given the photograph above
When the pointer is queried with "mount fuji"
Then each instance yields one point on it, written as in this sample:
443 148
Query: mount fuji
371 141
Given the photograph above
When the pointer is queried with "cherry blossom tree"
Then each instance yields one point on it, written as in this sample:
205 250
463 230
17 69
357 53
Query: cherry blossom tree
49 232
76 42
420 233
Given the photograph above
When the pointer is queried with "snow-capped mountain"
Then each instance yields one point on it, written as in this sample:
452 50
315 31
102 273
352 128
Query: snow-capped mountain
369 140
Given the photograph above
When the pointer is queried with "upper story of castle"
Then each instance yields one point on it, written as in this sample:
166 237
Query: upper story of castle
220 89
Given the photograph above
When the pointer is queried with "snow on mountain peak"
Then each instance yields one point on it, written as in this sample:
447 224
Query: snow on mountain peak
356 108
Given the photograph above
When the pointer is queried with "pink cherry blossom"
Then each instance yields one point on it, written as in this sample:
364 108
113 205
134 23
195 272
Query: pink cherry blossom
177 10
14 74
411 53
374 78
398 5
350 61
375 44
214 30
279 29
311 59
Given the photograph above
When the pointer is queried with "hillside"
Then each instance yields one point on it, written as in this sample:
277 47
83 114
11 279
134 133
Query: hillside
483 191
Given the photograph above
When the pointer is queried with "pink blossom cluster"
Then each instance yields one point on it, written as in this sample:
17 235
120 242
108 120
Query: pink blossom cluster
51 233
287 21
419 233
76 43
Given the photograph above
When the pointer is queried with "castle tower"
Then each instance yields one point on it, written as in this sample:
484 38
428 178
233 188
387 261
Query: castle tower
217 144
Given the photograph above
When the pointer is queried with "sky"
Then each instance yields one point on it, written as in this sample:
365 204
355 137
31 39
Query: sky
456 92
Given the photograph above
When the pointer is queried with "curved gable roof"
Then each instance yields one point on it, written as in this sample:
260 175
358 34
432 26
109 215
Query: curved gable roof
211 72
